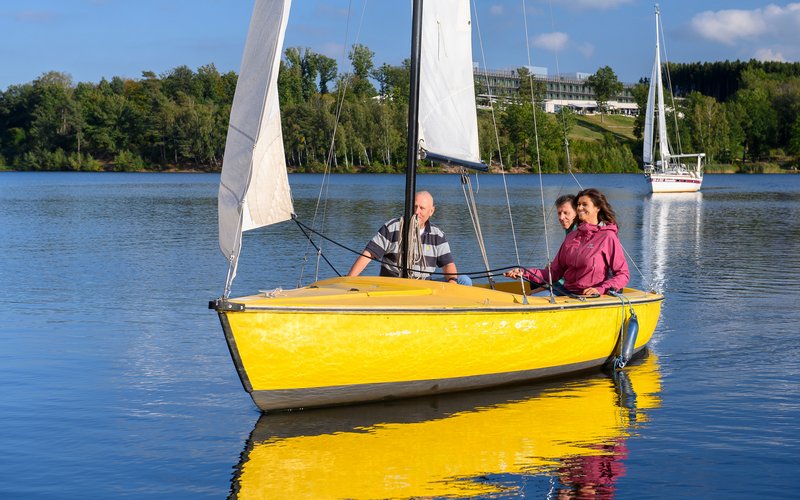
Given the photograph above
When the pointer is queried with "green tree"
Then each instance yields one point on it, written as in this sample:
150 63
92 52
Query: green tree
290 78
56 121
327 72
361 60
530 86
759 120
707 125
640 91
394 82
605 85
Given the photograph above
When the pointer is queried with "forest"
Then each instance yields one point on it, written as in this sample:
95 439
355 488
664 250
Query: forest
742 114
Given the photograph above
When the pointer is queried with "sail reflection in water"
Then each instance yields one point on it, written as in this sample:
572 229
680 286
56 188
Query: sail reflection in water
573 432
671 228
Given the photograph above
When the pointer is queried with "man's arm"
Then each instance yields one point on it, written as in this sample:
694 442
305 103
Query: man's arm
450 272
360 263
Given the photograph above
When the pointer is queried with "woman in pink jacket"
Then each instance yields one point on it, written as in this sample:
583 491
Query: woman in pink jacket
591 259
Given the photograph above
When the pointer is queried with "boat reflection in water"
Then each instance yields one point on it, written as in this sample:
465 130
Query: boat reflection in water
672 224
568 434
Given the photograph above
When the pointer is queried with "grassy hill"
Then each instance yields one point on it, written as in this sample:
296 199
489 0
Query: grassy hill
592 128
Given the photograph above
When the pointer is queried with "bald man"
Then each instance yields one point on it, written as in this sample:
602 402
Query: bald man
385 247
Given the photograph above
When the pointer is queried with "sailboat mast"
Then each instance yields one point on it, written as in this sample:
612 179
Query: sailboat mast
413 130
663 143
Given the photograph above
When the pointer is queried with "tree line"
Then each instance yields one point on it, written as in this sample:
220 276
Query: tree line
735 112
178 120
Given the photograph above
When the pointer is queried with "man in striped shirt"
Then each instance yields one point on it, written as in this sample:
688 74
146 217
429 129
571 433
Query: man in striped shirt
385 247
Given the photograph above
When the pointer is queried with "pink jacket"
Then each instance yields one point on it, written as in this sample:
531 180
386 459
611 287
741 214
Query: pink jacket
592 256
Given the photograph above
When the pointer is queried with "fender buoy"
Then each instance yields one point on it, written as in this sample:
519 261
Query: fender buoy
629 342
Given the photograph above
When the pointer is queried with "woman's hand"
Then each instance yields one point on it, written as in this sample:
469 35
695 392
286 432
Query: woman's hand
591 291
513 274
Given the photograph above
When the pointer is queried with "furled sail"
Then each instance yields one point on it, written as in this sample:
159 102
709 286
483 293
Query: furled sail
448 124
254 186
647 151
663 145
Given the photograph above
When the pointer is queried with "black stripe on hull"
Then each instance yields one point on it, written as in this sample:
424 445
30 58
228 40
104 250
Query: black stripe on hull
237 360
290 399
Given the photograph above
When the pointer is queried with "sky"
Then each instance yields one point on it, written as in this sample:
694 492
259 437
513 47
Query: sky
94 39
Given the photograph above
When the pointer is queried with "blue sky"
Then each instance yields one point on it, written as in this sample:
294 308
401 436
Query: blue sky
91 39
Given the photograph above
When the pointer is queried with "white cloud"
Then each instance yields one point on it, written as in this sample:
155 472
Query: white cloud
592 4
730 26
496 10
726 26
769 55
555 42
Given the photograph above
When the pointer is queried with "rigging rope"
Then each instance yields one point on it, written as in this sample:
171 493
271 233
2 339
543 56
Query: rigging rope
669 86
562 113
469 197
304 228
320 209
499 151
497 143
538 153
416 259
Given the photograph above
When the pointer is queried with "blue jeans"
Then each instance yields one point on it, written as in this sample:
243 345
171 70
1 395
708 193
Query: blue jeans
461 279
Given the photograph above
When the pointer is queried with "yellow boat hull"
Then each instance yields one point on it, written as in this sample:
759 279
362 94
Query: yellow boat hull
349 340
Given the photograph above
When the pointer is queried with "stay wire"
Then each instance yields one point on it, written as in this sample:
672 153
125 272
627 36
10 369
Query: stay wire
538 152
563 115
469 197
319 250
669 84
322 198
490 98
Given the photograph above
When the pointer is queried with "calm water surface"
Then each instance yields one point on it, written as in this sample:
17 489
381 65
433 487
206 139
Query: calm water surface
115 380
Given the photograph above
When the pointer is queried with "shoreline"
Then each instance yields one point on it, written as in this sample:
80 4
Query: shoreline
512 171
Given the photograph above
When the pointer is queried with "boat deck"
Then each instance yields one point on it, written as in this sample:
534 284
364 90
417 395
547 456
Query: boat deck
365 292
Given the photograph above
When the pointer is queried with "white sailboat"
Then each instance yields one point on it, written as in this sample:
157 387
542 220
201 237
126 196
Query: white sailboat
666 170
354 339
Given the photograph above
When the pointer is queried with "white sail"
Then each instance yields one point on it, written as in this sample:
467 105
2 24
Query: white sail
647 151
448 122
254 186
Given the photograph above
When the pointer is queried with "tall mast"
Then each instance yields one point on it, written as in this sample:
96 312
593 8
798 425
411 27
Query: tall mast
413 132
663 143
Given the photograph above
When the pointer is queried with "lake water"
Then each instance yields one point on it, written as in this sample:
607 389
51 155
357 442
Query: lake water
115 381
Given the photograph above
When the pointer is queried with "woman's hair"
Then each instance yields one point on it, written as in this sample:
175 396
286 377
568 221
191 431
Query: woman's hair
606 213
567 198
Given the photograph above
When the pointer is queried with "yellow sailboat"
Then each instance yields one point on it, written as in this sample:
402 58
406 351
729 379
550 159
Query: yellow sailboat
482 443
355 339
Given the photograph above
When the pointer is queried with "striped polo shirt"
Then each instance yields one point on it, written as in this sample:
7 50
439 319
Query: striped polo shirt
385 246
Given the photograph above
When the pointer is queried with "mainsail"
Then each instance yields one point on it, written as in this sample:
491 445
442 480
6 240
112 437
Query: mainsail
254 186
447 117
